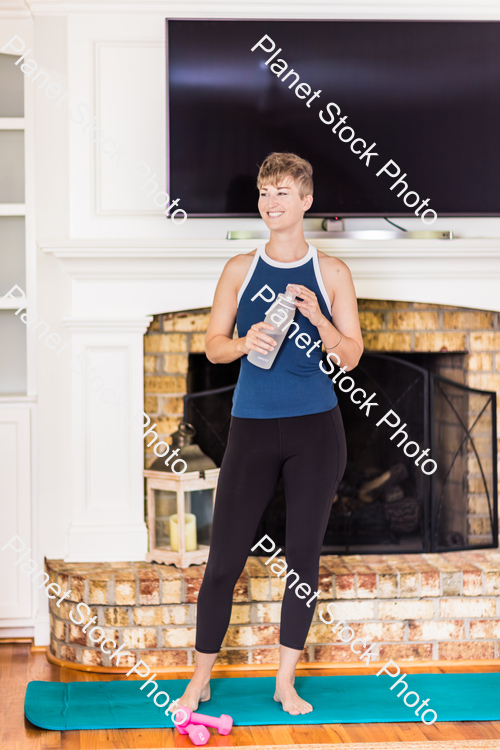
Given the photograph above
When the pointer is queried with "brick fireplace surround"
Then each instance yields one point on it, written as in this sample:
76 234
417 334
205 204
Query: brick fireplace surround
413 607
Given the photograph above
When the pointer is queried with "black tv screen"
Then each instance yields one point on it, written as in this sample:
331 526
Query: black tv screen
427 94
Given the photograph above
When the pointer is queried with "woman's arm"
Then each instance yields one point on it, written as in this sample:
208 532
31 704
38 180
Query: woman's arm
342 336
219 343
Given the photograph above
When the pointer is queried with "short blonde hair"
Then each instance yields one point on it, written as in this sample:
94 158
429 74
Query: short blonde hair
277 165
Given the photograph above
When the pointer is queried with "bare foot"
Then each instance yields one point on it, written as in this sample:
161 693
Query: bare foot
193 695
290 700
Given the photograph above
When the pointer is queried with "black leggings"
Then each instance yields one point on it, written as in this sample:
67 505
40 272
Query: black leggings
310 453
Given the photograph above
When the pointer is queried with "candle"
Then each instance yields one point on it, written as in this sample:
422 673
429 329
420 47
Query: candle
189 532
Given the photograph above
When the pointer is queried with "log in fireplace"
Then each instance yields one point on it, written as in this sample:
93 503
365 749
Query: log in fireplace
385 503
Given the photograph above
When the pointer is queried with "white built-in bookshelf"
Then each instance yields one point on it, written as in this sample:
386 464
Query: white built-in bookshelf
13 344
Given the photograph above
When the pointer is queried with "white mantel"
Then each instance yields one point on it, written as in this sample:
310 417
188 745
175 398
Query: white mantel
181 274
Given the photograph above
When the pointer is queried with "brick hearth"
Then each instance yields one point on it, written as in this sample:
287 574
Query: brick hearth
413 607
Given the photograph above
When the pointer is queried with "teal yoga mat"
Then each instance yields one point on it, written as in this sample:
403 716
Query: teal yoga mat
121 704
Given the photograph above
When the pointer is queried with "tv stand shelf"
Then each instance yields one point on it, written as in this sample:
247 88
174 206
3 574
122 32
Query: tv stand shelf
360 234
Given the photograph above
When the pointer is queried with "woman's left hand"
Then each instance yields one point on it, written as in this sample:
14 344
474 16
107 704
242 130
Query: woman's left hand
308 304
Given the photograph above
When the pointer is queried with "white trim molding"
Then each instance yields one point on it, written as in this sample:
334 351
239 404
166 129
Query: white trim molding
131 325
16 600
11 123
12 209
429 271
99 74
107 492
359 9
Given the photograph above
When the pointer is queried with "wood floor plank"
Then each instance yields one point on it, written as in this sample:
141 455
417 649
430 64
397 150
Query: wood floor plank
409 731
489 729
471 730
5 660
309 733
436 733
241 736
362 732
386 732
51 740
70 740
40 669
336 734
281 735
31 743
441 731
484 730
13 713
104 739
19 663
261 736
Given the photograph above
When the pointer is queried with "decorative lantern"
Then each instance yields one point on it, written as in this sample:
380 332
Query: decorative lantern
180 506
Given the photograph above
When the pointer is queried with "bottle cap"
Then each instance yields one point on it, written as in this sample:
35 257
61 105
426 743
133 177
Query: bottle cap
290 295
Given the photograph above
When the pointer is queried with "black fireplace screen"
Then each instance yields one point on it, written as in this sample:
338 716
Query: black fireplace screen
385 503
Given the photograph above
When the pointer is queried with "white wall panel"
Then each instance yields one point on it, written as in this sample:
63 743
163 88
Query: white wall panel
107 512
15 509
13 347
135 114
116 68
107 451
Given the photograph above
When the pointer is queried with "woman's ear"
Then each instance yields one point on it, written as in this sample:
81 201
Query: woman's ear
308 200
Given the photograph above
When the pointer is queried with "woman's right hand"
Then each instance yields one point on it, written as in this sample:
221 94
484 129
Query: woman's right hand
257 340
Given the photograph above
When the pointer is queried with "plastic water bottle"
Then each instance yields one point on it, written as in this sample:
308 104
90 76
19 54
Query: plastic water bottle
283 311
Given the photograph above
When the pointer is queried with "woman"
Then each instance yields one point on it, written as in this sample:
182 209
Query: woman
285 420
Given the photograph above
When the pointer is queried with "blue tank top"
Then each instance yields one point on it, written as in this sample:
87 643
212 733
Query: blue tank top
294 385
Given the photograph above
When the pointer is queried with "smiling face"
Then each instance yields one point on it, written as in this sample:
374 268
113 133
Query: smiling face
281 206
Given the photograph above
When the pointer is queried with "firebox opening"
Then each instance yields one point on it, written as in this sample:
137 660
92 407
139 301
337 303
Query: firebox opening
385 503
204 376
210 413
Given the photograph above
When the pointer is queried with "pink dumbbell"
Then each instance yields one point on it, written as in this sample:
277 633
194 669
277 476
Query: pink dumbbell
223 724
198 734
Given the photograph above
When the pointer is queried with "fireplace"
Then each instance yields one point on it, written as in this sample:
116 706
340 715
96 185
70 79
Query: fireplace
427 377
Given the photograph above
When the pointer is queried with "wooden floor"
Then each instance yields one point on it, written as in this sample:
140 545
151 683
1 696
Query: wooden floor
18 667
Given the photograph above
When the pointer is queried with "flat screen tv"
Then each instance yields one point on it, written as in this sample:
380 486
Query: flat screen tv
427 94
